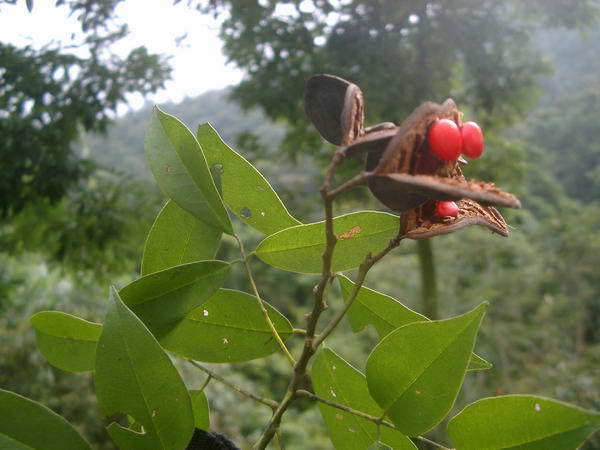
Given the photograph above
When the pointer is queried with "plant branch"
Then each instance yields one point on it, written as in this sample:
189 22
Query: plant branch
362 274
435 444
359 179
275 420
376 420
208 378
265 401
310 344
308 350
265 314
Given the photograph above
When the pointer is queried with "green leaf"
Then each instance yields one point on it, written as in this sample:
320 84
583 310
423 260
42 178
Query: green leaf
386 314
28 425
521 422
163 298
247 193
201 410
134 376
66 341
416 371
299 249
177 237
228 327
374 308
336 380
179 167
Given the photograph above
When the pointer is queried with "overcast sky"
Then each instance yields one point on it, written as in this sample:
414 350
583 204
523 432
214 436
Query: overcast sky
198 64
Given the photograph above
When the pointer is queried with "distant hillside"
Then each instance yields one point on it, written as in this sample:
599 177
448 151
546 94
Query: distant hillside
123 147
565 124
561 125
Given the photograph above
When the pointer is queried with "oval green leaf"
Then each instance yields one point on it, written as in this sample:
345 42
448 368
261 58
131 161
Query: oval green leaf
134 376
521 422
299 249
200 408
244 190
370 307
176 238
336 380
28 425
66 341
179 167
385 314
228 327
416 371
163 298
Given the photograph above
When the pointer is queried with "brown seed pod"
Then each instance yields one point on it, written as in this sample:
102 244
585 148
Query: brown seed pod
401 170
422 222
335 107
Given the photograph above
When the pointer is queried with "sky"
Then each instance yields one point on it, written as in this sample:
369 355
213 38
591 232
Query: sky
198 63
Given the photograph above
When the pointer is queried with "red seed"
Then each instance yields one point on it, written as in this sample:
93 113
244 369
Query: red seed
472 140
446 209
444 139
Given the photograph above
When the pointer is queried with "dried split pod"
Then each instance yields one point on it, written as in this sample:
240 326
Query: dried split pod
401 169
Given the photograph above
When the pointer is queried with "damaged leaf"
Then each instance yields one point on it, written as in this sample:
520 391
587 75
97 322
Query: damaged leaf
135 376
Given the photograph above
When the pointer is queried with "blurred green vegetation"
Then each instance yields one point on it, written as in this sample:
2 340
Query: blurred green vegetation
542 331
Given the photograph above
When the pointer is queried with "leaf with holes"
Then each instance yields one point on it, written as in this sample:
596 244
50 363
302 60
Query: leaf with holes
386 314
177 237
247 193
299 249
27 425
201 410
163 298
416 371
521 422
179 167
336 380
134 376
66 341
228 327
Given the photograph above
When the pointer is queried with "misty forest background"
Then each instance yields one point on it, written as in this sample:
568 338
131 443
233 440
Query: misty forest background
542 332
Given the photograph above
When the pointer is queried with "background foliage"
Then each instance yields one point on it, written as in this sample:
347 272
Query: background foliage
541 331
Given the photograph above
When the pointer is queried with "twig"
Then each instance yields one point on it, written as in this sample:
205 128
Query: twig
362 274
376 420
265 401
359 179
318 307
429 441
208 378
268 320
310 344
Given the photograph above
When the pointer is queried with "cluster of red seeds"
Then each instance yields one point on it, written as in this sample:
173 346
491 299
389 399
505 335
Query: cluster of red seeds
447 141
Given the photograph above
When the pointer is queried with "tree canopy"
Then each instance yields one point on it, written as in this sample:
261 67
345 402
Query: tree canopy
401 54
51 94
